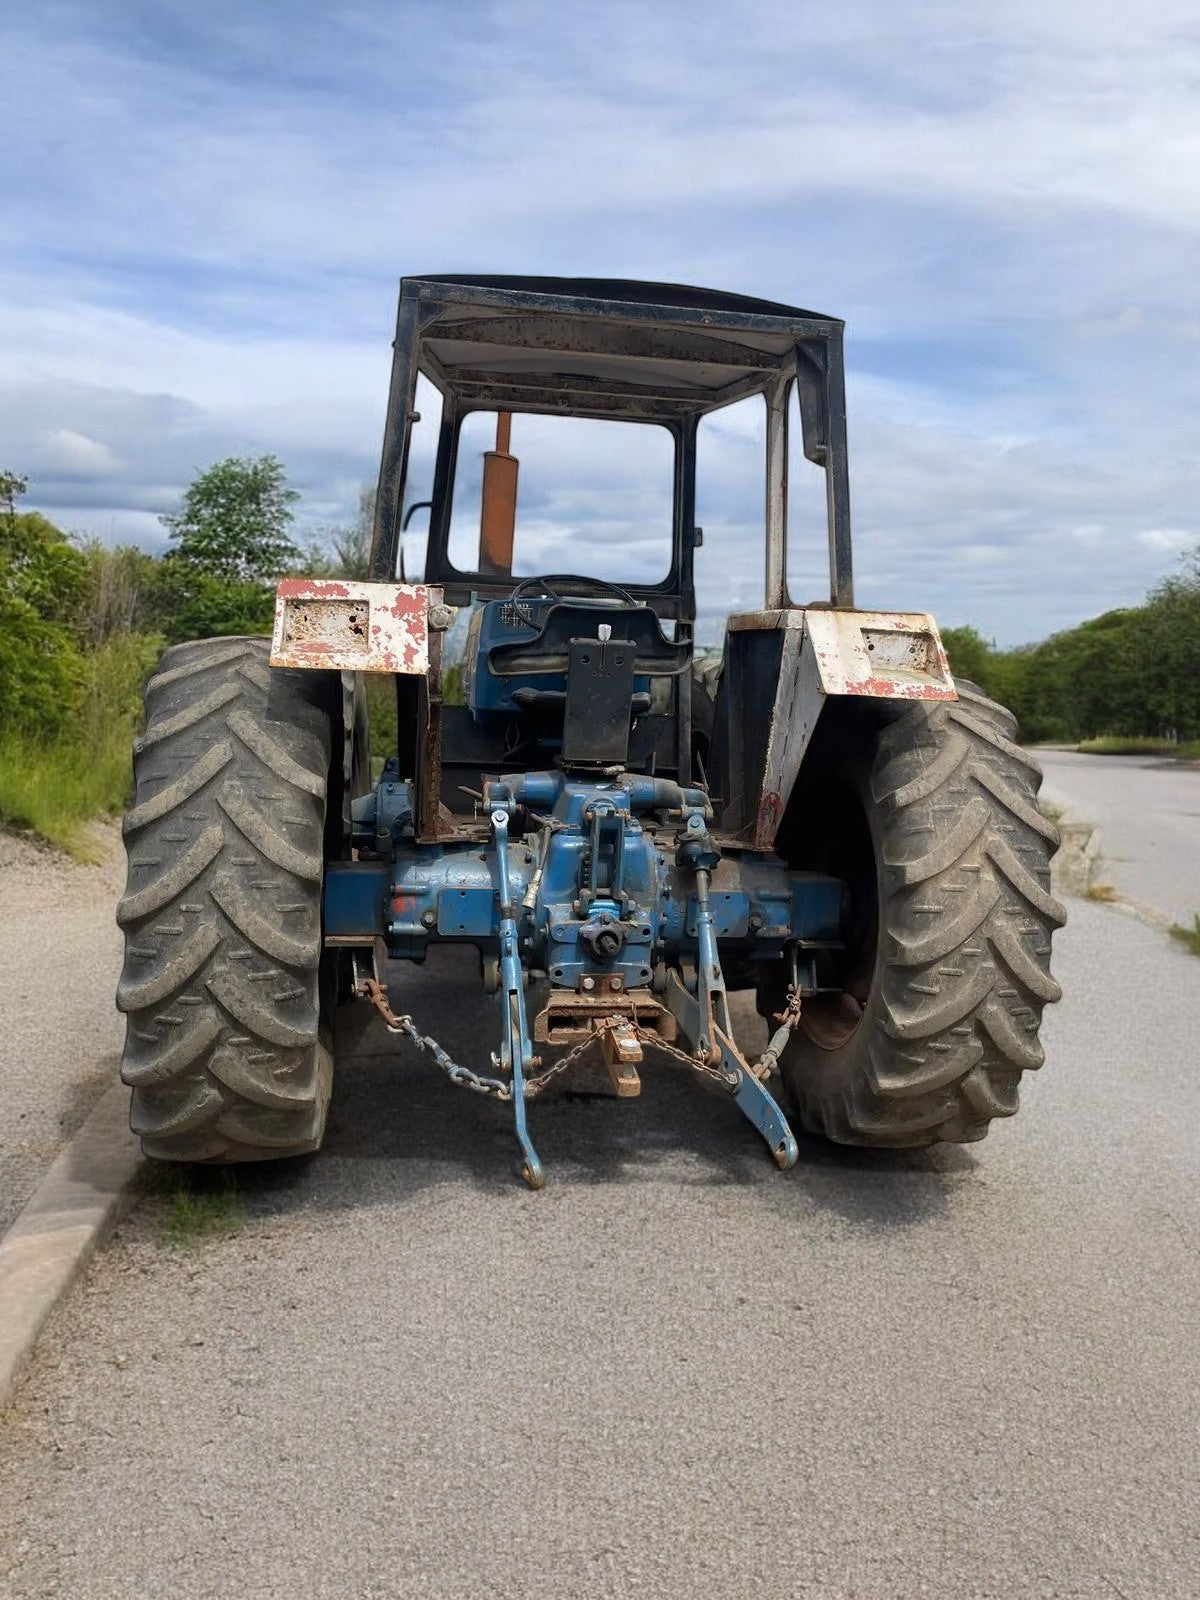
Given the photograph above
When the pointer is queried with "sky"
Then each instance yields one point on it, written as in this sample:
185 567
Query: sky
206 211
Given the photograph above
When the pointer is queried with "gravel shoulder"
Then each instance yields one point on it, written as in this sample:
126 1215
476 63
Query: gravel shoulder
60 1033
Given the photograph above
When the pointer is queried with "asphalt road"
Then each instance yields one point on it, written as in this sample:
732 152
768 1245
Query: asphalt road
965 1372
675 1372
1148 812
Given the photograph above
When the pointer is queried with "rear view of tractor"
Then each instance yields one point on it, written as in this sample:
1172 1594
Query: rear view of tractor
624 832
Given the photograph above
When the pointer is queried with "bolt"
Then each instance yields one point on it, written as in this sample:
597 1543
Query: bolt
588 983
429 918
440 617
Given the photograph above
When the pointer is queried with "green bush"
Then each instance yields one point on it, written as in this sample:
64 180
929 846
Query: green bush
123 593
42 582
56 789
1129 674
192 604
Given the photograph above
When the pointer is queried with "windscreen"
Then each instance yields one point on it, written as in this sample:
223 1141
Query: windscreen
544 494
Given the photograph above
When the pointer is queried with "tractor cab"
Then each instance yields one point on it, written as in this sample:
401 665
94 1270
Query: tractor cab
558 504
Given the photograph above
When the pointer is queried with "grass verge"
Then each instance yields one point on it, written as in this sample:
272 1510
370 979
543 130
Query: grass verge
56 789
1111 745
1188 936
56 783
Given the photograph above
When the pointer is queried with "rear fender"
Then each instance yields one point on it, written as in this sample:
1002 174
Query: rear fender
812 655
345 625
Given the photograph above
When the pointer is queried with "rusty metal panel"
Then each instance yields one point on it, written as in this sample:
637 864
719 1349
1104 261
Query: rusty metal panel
771 621
569 1016
802 656
798 702
886 655
347 625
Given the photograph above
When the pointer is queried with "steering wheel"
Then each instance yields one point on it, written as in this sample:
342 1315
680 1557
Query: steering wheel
555 586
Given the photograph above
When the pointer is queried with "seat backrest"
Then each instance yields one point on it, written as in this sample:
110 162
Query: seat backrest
550 649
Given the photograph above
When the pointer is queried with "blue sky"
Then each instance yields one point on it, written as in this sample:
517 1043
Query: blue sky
206 209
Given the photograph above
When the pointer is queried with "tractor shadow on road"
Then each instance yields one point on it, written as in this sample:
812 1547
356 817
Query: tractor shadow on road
397 1127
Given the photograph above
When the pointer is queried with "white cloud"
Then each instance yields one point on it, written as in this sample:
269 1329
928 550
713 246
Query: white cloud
73 455
1176 540
202 255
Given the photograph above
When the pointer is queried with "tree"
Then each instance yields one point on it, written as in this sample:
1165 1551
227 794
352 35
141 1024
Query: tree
231 543
345 552
234 522
968 654
1171 639
122 592
11 488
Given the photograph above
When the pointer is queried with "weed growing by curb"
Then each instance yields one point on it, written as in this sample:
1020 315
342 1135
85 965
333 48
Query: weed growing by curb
1103 892
197 1205
1188 936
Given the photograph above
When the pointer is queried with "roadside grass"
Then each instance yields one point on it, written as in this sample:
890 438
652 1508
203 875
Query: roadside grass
55 790
196 1204
1112 745
55 783
1188 936
1103 892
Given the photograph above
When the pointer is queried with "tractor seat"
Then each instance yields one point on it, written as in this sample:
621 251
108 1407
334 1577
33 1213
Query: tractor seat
549 650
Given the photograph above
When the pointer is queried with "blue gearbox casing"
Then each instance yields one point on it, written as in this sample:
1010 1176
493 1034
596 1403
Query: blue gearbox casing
489 697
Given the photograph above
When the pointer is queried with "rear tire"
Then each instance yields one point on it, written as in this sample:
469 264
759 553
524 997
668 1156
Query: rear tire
227 1051
932 819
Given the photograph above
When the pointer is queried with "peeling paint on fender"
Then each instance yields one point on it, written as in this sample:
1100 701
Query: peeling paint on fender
342 625
885 655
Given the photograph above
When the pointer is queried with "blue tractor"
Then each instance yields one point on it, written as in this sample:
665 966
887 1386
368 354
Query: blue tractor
625 828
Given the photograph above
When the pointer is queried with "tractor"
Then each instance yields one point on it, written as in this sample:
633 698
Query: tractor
626 827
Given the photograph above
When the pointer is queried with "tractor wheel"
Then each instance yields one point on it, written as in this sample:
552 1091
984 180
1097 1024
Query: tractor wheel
227 1049
706 677
932 820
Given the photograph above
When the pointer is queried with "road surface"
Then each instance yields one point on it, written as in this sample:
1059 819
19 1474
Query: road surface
970 1372
1148 812
677 1371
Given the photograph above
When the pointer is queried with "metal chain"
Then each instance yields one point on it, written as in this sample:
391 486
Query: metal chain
377 995
680 1055
534 1086
501 1089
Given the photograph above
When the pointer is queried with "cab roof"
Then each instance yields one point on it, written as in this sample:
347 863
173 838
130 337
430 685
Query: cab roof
604 346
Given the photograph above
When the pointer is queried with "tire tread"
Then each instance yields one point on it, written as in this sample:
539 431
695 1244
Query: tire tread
224 1051
966 921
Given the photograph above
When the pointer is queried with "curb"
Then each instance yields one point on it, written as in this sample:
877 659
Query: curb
69 1214
1073 872
1074 863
